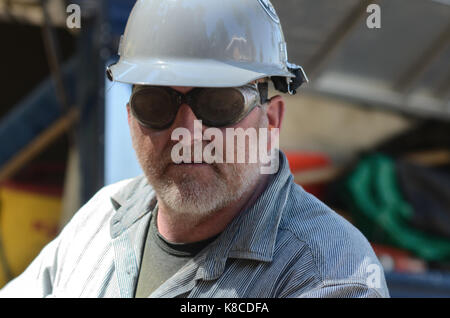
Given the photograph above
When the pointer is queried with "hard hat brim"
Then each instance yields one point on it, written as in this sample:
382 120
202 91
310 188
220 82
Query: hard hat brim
190 73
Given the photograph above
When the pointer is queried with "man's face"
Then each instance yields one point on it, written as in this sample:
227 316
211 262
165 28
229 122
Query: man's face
193 188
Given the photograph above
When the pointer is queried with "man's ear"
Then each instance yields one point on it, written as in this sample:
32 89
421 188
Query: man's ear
275 115
128 113
275 112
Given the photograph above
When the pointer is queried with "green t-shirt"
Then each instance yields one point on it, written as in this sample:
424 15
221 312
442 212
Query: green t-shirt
162 259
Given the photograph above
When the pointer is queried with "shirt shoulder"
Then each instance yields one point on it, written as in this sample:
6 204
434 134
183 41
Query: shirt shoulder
340 252
97 212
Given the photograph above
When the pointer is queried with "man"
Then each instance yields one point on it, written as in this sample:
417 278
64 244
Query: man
205 225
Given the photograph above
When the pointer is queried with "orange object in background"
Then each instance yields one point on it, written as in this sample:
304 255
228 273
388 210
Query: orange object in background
29 219
308 161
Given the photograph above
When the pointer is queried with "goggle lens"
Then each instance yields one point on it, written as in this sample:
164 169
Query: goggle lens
156 107
153 107
219 107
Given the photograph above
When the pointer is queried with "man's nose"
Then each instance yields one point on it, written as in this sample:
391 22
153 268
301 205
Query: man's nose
186 118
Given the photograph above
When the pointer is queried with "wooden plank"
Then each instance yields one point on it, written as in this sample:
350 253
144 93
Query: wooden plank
331 173
429 158
320 175
39 144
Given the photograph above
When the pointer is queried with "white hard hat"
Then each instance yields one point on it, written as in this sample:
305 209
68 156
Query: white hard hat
204 43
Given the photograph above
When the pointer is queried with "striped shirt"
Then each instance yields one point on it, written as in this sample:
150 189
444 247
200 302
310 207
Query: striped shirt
288 244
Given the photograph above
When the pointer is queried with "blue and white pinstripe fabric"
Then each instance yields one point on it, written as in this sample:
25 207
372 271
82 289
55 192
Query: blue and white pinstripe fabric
288 244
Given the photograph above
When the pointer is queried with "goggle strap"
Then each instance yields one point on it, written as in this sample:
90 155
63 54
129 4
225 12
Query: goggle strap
263 89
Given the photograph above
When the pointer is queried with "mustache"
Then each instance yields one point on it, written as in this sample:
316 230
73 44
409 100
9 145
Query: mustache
166 160
195 152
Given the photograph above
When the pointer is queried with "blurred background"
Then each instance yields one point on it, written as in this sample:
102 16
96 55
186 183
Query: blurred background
369 134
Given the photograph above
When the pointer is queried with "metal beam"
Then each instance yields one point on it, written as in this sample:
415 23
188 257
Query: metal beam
419 67
315 65
376 94
90 98
52 51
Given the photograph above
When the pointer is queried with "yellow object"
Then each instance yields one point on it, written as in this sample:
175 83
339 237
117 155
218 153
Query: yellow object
28 221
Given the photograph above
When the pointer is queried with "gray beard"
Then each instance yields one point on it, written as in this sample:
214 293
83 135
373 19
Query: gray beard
189 196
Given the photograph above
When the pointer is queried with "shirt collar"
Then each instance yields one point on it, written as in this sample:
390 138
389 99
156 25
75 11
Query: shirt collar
251 235
131 203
